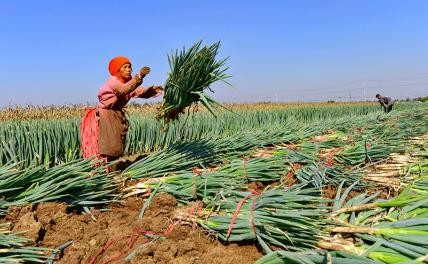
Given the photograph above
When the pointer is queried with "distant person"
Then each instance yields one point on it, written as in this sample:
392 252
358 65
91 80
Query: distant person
386 102
103 129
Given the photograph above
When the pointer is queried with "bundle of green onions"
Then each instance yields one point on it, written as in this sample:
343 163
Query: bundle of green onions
364 210
394 242
12 179
191 72
176 158
317 175
161 163
295 156
184 156
326 142
290 218
420 168
364 152
314 257
391 231
188 186
263 169
419 182
16 249
77 183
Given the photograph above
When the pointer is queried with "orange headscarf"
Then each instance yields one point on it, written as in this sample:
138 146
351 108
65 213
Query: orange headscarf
115 65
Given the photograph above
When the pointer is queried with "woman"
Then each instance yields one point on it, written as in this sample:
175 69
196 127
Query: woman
112 123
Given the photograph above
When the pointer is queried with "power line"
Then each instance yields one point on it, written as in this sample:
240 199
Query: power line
354 89
321 91
399 85
340 98
396 79
373 80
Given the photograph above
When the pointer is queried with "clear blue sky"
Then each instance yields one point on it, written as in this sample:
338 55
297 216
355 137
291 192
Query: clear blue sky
56 52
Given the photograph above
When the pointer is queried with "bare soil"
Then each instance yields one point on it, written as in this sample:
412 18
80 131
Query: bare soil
52 224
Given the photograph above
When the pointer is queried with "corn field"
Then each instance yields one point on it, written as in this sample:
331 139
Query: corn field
297 153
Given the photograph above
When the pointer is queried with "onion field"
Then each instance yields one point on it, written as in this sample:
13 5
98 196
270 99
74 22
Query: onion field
327 183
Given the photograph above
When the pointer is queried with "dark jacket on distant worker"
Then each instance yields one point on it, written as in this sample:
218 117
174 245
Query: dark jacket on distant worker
387 103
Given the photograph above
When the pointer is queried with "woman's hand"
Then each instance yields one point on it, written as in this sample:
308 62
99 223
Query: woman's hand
144 71
156 90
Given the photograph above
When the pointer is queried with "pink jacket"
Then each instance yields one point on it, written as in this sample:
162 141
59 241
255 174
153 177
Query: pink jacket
115 95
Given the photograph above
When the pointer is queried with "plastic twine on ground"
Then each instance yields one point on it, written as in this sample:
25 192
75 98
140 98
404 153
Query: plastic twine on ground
238 208
149 236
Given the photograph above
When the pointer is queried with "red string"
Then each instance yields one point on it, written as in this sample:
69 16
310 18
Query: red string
171 228
192 212
130 245
294 167
235 215
201 205
134 237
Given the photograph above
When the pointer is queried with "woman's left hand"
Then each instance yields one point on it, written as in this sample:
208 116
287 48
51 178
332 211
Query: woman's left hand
157 89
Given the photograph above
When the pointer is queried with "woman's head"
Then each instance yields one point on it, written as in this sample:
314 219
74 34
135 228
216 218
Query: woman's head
121 68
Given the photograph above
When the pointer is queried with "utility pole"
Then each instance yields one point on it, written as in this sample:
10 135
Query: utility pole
276 96
350 97
364 90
